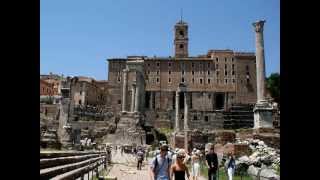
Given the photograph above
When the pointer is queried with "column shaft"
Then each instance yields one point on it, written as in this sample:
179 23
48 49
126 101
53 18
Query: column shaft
137 100
133 94
177 111
124 90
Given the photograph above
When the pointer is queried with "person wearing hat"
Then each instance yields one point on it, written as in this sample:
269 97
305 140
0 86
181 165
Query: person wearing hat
160 165
179 170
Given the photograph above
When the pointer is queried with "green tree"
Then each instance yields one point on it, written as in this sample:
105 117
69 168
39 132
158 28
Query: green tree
273 85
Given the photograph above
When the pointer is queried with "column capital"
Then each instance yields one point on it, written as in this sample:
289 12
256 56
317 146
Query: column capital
258 26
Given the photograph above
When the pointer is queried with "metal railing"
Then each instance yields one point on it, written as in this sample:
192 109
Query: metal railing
71 165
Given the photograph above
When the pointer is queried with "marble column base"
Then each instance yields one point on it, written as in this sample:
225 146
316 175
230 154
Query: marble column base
263 115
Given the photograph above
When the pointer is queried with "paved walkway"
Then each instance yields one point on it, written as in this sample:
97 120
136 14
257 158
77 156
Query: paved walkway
124 167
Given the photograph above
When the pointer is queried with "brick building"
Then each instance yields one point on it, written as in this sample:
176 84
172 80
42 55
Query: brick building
214 83
46 89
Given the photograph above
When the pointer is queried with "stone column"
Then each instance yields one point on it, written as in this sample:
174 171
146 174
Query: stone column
262 110
133 94
177 128
124 89
260 62
137 100
185 125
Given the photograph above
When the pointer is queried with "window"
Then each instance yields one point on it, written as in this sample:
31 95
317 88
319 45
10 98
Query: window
169 80
247 67
157 72
80 94
232 66
192 72
182 72
226 81
225 59
169 64
182 79
169 72
208 81
148 64
148 72
181 33
80 102
181 46
206 118
157 79
217 60
232 59
209 96
225 66
217 73
192 80
225 73
248 73
158 64
208 72
200 81
119 79
233 81
195 117
248 81
232 72
192 64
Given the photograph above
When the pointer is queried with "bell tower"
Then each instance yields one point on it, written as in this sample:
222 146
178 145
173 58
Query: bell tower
181 39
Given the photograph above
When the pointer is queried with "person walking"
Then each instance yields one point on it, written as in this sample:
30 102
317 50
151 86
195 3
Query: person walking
140 157
212 163
230 165
195 165
160 165
179 170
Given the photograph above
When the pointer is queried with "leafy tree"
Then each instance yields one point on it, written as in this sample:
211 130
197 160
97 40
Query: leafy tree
273 85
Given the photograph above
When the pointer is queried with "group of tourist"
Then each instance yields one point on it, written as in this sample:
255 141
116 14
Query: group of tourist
168 164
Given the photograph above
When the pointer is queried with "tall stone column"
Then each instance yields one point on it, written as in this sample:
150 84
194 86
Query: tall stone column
124 89
177 128
137 98
185 125
133 95
260 62
262 110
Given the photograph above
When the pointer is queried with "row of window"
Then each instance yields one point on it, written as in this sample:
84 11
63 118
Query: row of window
208 72
201 81
192 64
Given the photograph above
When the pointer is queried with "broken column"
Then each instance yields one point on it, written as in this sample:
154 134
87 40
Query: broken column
133 94
262 110
124 89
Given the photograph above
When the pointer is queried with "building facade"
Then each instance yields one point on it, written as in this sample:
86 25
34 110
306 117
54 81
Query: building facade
214 83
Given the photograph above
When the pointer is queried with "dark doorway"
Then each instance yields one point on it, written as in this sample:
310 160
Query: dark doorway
181 100
147 99
219 101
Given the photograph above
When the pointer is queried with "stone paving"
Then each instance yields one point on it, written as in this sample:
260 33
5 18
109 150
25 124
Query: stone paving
124 167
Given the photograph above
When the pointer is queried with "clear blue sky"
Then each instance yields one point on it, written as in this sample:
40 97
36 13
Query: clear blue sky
77 36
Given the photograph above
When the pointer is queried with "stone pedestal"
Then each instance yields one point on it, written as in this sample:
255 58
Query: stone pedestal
263 116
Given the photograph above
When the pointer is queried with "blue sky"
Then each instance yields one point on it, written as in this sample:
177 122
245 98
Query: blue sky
77 36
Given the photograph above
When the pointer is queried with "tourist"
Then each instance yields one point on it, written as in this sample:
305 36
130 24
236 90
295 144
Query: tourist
179 169
230 165
160 165
212 163
140 157
195 165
